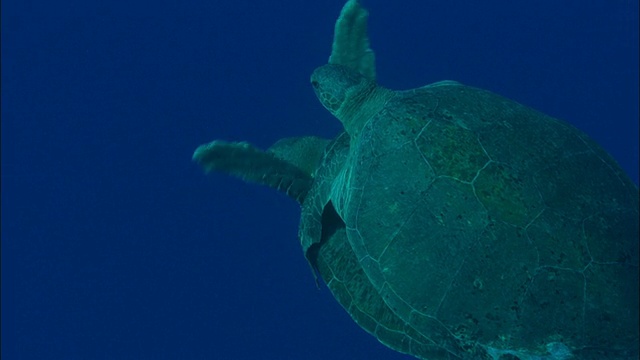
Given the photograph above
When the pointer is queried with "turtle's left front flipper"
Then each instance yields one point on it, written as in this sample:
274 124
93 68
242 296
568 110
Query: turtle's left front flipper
286 166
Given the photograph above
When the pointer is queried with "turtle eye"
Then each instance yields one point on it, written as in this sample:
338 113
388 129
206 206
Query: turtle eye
315 84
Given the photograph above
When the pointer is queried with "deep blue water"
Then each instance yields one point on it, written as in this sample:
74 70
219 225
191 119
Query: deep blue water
116 246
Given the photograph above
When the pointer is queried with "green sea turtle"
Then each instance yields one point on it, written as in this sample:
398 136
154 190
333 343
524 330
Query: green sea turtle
489 229
453 223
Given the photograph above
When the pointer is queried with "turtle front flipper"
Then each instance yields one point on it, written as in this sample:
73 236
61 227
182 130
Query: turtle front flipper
286 166
350 46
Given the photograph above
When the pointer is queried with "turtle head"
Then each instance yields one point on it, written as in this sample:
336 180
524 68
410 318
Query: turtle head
347 94
335 85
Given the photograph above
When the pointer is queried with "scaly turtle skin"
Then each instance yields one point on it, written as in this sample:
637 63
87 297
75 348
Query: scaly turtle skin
487 228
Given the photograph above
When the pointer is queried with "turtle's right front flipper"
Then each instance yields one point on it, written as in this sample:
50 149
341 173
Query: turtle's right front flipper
251 164
350 46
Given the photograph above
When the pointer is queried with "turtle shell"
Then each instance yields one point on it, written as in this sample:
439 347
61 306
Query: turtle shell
332 256
463 225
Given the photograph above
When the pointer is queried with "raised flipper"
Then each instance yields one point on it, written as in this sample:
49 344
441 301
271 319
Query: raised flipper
350 41
287 166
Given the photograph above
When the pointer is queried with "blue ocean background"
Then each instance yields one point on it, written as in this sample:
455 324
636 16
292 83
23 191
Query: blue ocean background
116 246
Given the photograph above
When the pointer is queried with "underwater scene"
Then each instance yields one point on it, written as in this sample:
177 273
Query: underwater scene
349 179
